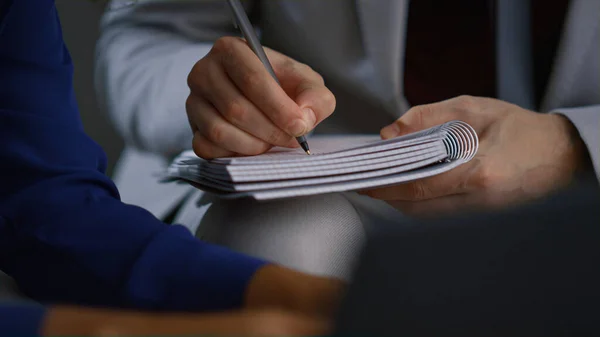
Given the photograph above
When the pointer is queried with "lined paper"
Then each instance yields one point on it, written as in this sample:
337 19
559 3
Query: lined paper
340 163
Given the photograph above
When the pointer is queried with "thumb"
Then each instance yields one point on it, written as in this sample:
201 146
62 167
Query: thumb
419 118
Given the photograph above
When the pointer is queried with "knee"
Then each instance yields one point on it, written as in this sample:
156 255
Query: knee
318 234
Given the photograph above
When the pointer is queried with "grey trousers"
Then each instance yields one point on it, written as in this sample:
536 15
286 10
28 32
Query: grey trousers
322 234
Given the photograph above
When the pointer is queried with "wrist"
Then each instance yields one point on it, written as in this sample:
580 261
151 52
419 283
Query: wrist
571 149
282 288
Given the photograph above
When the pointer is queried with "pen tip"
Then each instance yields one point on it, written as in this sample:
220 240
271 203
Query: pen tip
304 146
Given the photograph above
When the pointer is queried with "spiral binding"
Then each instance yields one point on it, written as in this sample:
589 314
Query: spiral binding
460 140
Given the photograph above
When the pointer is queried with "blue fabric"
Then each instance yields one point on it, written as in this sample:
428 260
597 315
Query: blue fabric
21 320
65 237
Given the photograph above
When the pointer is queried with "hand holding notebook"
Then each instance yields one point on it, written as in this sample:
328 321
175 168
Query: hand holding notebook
339 163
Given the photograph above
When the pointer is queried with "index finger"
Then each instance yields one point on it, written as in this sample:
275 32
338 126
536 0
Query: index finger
474 110
254 81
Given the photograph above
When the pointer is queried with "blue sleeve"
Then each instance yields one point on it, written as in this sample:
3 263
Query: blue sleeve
21 320
65 236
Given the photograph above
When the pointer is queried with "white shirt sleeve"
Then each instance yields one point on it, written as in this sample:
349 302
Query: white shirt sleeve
143 57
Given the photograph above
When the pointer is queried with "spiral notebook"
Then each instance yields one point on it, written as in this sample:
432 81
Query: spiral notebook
339 163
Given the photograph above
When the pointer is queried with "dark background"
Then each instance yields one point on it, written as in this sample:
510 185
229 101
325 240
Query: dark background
80 20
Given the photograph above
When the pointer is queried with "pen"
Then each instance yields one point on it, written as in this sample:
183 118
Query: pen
243 22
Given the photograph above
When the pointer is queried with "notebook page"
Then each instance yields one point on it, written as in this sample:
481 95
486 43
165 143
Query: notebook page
326 170
343 162
234 169
320 145
415 162
326 148
188 158
332 147
227 192
355 185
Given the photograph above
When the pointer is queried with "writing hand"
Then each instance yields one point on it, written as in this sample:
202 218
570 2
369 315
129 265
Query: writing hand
235 107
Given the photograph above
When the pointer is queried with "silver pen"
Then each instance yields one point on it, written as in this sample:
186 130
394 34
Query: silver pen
243 22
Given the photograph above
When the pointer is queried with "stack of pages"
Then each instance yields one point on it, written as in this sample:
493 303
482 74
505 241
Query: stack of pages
337 164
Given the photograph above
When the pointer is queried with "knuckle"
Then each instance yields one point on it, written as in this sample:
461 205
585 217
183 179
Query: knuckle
420 114
259 148
483 179
192 125
192 78
223 44
235 112
466 102
192 106
304 68
277 137
200 148
252 79
196 79
216 133
290 65
189 104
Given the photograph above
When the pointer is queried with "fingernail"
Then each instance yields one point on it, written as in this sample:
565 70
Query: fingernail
310 117
390 131
297 128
